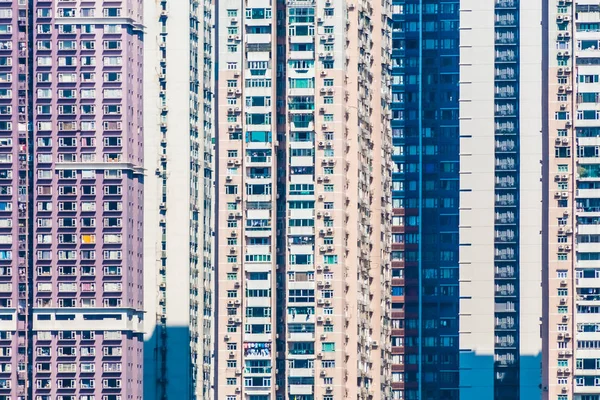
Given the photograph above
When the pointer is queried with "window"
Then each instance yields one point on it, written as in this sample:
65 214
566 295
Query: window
232 13
231 381
563 363
330 259
328 346
561 274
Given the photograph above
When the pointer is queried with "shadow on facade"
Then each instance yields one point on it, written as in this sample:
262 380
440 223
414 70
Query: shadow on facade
168 364
478 377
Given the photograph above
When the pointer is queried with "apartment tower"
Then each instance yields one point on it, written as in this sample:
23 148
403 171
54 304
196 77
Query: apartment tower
178 280
303 192
425 200
571 349
501 190
70 200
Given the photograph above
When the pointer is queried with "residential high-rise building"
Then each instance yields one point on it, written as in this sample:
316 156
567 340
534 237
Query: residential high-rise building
425 199
178 203
500 200
303 194
71 190
571 201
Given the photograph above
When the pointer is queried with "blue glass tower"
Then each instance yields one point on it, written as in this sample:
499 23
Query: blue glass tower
425 194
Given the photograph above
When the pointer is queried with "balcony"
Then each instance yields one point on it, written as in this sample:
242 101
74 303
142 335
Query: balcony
300 390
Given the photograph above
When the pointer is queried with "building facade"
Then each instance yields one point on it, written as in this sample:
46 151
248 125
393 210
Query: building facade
303 200
178 203
572 130
501 191
71 136
425 199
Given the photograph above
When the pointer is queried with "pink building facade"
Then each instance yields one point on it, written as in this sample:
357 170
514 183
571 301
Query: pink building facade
70 200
